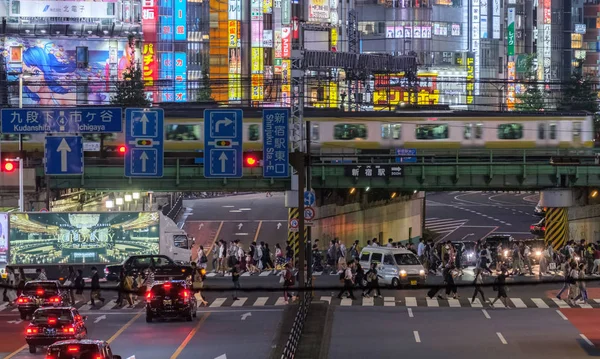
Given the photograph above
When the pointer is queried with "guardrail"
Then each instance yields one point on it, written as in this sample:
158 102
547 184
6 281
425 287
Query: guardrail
291 346
173 211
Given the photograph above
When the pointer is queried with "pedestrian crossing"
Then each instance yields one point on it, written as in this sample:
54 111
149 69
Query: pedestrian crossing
444 225
386 301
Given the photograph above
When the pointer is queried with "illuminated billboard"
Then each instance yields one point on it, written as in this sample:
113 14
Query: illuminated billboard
65 238
318 10
3 237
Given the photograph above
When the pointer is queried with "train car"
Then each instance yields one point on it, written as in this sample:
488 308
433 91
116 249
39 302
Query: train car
343 131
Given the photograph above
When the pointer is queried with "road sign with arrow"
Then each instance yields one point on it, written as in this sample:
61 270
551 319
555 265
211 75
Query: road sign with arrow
64 155
144 141
223 143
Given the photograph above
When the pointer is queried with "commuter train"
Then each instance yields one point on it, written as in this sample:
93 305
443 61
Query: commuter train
382 130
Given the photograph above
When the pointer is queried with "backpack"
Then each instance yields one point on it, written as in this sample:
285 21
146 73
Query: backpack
203 258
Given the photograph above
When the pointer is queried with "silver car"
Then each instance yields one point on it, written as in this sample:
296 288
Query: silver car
396 266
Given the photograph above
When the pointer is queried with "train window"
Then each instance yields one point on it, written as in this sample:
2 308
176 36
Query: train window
385 131
183 132
314 132
510 131
349 131
552 131
397 131
253 132
467 133
15 137
541 131
95 137
478 131
576 131
432 132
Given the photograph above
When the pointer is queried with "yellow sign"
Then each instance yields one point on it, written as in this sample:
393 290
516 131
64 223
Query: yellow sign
286 71
333 94
257 60
286 95
233 33
334 37
257 87
470 78
267 6
235 88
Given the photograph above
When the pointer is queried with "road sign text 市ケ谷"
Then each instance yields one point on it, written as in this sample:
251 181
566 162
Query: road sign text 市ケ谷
61 120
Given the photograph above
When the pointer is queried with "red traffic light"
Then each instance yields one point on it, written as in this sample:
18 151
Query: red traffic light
122 149
8 166
251 159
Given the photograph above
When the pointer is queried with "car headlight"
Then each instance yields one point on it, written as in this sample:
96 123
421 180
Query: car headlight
577 258
421 272
402 273
506 253
538 253
470 254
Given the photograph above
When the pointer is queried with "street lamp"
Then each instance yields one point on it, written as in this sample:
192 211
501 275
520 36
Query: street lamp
128 198
109 204
136 195
119 201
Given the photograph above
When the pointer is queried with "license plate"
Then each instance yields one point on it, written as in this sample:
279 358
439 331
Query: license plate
39 301
413 282
51 331
167 302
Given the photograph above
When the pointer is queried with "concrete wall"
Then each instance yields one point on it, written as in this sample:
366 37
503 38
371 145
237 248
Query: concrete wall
350 222
584 223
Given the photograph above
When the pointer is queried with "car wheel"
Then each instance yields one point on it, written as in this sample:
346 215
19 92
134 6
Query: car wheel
23 316
32 349
148 318
395 283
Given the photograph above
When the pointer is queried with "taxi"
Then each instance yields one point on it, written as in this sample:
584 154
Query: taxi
80 349
171 299
41 293
50 325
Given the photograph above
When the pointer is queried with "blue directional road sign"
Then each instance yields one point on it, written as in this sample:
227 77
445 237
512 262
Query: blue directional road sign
145 139
407 155
223 143
309 198
63 155
61 120
276 156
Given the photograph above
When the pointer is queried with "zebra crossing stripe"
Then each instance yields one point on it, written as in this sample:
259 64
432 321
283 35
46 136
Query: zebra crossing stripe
411 301
217 303
585 306
518 303
498 304
389 301
561 303
246 274
280 301
110 305
240 302
432 302
454 303
260 302
476 303
265 273
367 302
211 274
326 299
539 303
85 307
346 302
2 306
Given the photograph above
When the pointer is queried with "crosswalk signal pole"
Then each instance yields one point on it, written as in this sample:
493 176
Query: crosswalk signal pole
298 162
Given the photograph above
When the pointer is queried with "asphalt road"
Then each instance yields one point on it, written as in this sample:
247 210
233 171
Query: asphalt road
461 333
474 215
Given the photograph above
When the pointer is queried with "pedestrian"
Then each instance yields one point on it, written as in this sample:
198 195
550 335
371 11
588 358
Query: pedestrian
120 288
215 256
222 255
348 281
569 267
573 286
198 276
355 251
581 284
359 276
477 284
288 281
500 287
448 275
235 277
11 282
202 259
79 285
128 288
596 260
373 281
21 280
260 264
421 250
95 288
40 274
267 261
69 283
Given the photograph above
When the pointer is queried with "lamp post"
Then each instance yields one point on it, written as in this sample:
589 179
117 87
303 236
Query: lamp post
21 194
136 197
119 202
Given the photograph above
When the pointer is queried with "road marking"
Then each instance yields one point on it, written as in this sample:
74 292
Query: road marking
123 328
410 313
85 307
589 342
216 237
498 304
417 337
239 302
235 211
228 206
367 302
346 302
257 230
280 301
245 274
486 314
212 274
260 302
111 304
265 273
432 302
518 303
241 234
411 301
326 299
2 306
245 209
561 315
217 302
389 301
190 336
585 306
501 337
16 351
560 303
454 303
476 303
539 303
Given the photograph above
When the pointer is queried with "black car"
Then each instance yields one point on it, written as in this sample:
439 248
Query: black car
172 299
536 246
467 248
80 349
164 268
495 240
539 228
50 325
41 293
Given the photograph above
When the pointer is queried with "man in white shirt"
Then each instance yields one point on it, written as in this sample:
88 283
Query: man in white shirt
421 249
348 282
390 244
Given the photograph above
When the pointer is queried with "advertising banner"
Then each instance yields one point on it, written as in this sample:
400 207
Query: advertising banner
257 33
235 9
166 28
278 43
257 60
64 238
180 77
66 9
318 10
3 238
149 62
267 39
166 73
257 87
511 32
286 12
285 42
470 77
180 15
234 32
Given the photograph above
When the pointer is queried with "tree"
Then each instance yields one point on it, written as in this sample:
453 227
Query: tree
579 93
205 92
533 97
130 91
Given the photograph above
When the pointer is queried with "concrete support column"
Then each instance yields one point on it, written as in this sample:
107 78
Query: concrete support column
557 201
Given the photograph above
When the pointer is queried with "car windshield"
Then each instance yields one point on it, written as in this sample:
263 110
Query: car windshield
406 259
162 262
469 246
40 289
62 315
74 351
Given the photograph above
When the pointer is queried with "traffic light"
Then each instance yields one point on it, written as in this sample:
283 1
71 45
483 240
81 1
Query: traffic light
122 149
9 166
251 159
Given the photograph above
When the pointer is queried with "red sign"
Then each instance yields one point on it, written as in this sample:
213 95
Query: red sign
285 42
295 24
149 63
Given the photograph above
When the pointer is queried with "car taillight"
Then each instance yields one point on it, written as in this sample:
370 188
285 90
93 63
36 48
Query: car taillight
185 295
50 357
78 317
51 320
73 349
39 291
106 271
149 296
22 300
167 286
69 330
98 356
31 330
532 227
55 300
544 229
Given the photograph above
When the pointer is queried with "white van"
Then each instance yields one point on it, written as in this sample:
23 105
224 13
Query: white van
396 266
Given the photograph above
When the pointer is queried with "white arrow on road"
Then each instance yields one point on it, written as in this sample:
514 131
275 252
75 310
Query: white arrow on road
200 226
225 122
144 122
63 148
278 225
102 317
15 321
221 357
223 159
468 235
240 226
144 158
246 315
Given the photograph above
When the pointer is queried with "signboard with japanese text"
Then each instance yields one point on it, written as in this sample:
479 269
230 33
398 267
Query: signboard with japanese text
257 87
275 143
511 32
234 34
180 16
470 77
180 77
318 10
61 120
149 61
257 60
267 39
234 10
285 42
373 171
64 9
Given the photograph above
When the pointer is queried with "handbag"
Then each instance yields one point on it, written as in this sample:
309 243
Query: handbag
281 280
67 283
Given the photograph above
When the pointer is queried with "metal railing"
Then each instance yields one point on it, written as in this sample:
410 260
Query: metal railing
291 346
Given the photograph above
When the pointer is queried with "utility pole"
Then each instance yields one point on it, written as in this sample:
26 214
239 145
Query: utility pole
308 188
